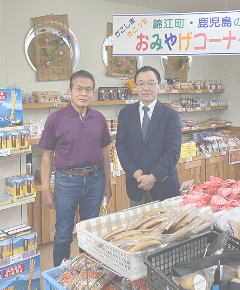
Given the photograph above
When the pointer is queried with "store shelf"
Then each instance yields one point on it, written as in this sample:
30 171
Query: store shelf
43 105
204 91
208 126
13 204
64 104
199 109
200 157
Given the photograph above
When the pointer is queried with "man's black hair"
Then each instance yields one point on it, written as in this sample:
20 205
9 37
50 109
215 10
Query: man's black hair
147 68
81 74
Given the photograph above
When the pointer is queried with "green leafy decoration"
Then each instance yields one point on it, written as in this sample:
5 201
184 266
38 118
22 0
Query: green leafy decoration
44 52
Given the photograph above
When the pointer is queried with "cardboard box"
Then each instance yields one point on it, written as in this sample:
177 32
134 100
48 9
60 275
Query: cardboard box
3 140
23 241
24 138
11 112
24 274
5 246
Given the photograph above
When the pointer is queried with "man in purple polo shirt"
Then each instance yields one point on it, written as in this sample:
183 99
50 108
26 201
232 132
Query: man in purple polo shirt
79 137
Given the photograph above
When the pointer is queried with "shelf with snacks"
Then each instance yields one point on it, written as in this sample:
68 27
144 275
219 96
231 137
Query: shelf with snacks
207 126
64 104
199 109
17 203
202 91
201 157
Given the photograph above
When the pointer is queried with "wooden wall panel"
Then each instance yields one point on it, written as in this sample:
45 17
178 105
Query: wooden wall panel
192 170
217 166
125 198
233 171
118 193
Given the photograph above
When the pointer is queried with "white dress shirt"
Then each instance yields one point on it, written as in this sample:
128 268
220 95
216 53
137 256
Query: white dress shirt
150 112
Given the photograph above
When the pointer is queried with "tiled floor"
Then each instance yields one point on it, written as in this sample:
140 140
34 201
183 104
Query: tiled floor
46 256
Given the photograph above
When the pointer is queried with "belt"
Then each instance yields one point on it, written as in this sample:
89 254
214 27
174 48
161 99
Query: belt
82 172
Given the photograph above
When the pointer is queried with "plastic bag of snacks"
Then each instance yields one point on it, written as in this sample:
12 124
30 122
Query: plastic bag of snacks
196 274
230 270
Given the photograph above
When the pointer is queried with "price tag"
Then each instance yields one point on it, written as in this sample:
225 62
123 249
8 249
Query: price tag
210 91
186 128
194 128
207 108
198 91
208 156
189 159
116 173
213 125
129 102
162 91
181 109
16 258
174 91
224 153
198 109
57 105
113 132
5 152
228 124
190 110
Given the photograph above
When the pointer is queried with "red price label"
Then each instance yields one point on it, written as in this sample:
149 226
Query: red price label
3 95
14 270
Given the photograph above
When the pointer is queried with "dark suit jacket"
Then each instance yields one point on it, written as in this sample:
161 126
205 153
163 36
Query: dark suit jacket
158 154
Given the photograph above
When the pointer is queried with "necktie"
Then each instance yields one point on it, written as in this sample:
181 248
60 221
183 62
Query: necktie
145 122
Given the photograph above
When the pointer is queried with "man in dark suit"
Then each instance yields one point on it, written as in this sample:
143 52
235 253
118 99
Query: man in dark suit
148 142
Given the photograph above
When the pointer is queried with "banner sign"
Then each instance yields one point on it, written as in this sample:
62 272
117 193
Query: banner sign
177 34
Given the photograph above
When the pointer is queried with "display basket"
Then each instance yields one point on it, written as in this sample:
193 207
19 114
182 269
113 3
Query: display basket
129 265
160 263
49 282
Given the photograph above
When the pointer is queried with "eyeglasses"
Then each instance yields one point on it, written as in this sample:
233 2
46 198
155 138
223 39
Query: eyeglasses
80 89
142 85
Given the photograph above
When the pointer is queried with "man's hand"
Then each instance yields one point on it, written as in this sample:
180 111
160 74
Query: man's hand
137 174
107 192
146 182
48 198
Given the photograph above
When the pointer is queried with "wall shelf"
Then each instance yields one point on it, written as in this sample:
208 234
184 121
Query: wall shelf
207 126
199 109
201 157
203 91
64 104
13 204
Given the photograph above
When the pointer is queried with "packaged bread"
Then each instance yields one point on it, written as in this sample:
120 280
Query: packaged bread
196 274
229 270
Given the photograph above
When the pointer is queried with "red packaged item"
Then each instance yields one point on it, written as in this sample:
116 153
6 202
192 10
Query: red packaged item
218 201
226 191
234 194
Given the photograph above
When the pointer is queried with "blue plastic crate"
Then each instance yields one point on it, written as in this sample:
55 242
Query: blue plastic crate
49 282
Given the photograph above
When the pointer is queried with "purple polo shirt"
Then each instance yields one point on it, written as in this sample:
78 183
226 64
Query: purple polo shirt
77 143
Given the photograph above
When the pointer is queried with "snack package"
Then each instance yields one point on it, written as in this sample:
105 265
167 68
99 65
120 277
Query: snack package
230 270
196 274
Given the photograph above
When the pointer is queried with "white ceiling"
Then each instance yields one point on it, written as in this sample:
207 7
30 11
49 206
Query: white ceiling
179 6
